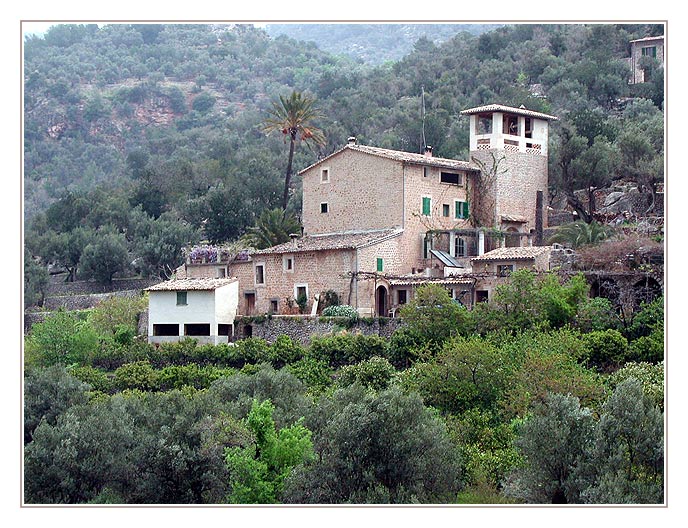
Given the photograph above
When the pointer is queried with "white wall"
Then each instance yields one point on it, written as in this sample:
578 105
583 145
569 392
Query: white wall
210 307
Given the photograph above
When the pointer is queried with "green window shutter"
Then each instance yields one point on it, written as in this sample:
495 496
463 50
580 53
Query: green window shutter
465 210
457 213
379 264
426 206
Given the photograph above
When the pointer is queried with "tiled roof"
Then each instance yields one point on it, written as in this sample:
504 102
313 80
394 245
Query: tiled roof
514 218
191 284
419 281
659 37
398 155
513 253
329 241
501 108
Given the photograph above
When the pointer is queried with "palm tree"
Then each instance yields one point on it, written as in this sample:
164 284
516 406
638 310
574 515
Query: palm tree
272 227
292 117
580 233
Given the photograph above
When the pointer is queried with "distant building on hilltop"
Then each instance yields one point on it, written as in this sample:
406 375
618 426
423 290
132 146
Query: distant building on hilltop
652 47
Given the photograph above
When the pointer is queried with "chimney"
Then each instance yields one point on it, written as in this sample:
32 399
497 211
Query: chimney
352 140
293 237
428 151
539 220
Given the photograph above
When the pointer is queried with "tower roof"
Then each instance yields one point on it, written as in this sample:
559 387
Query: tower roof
502 108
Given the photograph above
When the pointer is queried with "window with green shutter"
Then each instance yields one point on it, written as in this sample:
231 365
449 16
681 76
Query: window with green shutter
380 264
426 206
461 209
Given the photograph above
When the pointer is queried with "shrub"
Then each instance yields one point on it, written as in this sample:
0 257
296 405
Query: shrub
340 310
178 376
99 380
139 375
285 351
315 374
596 314
608 348
375 373
346 349
252 350
63 338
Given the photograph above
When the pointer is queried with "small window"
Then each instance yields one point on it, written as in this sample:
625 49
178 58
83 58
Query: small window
324 208
300 291
511 125
459 247
426 172
427 246
380 264
260 274
401 297
504 270
325 176
181 298
427 205
483 124
461 209
224 329
650 51
453 178
288 263
274 305
529 127
481 296
221 273
445 209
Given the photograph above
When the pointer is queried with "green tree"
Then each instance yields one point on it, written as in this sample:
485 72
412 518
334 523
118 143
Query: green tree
434 315
580 233
62 338
293 117
273 227
105 256
258 471
376 448
36 280
554 442
49 392
628 455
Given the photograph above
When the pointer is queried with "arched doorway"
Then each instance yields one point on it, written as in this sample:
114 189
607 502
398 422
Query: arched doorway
381 304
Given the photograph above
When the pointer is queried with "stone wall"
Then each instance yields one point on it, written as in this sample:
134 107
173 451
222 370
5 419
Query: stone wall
302 329
83 302
88 287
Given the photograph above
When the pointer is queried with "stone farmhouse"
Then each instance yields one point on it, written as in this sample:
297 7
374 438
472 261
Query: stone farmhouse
646 47
377 223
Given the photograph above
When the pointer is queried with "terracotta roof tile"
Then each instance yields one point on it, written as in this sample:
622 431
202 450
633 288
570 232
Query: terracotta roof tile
345 240
510 109
191 284
398 155
513 253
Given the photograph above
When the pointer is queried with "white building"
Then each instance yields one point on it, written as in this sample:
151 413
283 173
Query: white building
203 309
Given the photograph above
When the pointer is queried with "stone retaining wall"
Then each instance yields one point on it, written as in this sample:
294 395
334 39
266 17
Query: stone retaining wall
83 302
301 329
56 289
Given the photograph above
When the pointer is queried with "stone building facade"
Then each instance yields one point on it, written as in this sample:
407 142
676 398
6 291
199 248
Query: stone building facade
652 47
378 222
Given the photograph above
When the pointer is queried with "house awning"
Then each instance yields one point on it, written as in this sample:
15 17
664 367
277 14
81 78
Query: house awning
446 259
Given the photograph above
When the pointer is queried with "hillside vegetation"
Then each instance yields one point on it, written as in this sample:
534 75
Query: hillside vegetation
154 126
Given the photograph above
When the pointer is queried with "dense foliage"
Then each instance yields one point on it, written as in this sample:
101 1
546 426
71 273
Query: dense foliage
463 416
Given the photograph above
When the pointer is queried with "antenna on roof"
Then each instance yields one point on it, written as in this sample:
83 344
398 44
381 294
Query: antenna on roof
422 117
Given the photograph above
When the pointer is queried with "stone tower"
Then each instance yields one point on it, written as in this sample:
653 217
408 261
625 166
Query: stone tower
510 146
